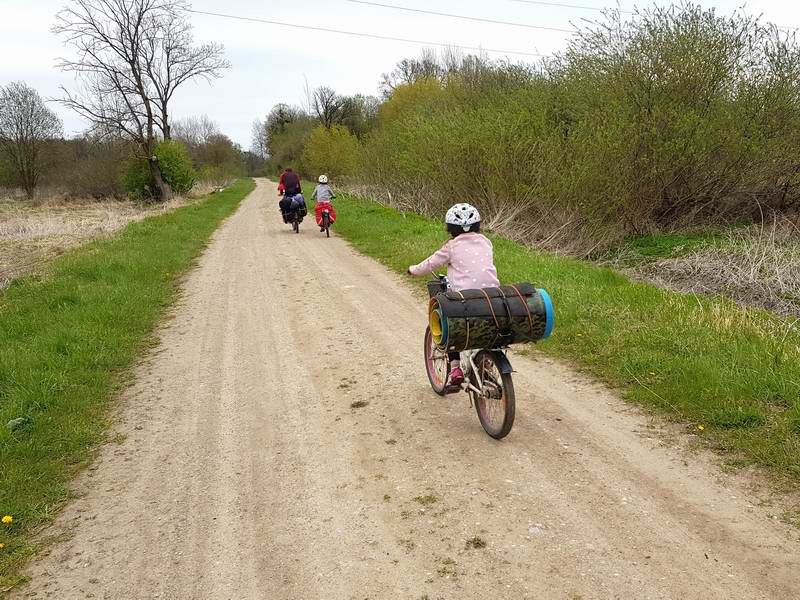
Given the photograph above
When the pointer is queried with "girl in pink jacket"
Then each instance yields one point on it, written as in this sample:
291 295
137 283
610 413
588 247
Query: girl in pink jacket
469 258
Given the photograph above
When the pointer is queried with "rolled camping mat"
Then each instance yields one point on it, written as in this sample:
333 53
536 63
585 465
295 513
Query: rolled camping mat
491 317
438 326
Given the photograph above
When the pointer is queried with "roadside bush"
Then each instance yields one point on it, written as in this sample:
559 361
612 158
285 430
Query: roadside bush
89 168
677 116
332 151
287 145
176 167
215 158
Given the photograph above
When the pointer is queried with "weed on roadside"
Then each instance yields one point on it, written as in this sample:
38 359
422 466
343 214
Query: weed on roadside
447 568
407 544
426 500
476 543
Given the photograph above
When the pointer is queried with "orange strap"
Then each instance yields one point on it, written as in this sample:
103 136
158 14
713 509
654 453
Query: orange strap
466 342
527 308
491 309
494 316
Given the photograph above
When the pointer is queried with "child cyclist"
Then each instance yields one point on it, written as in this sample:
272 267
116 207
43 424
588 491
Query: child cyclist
323 194
469 258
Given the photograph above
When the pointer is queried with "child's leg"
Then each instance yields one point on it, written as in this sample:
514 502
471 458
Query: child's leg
456 374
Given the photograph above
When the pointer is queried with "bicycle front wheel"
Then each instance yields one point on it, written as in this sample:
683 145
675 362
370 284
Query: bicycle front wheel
496 402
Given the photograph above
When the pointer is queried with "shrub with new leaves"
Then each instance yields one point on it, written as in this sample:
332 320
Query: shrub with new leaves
674 116
330 151
176 168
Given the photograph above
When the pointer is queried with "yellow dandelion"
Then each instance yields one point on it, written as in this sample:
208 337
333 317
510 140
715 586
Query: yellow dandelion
701 427
579 334
8 519
652 373
2 546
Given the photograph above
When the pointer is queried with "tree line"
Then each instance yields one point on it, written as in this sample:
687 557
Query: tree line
673 116
323 138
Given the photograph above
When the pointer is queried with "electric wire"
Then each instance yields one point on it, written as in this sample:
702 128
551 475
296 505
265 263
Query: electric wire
575 6
464 17
365 35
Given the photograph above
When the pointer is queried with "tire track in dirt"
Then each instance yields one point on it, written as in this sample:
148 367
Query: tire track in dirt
282 442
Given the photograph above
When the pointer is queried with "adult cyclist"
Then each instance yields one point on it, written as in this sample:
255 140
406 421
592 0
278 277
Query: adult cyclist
288 188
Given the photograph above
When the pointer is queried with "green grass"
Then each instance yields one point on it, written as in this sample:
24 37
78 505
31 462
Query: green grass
701 361
67 340
670 245
643 249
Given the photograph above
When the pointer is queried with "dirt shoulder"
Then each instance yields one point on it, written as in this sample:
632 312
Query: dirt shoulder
282 442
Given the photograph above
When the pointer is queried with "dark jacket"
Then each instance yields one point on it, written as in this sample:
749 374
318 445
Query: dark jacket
290 183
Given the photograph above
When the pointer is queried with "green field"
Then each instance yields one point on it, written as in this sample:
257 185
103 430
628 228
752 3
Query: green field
730 374
68 339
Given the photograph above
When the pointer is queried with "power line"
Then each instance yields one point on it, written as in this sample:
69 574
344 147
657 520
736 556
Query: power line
466 18
364 35
575 6
621 11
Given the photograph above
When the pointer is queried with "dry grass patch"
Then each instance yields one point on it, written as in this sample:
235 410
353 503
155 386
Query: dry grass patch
33 234
755 266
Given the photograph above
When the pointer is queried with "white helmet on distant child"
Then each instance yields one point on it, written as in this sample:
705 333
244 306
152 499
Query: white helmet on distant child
463 215
323 179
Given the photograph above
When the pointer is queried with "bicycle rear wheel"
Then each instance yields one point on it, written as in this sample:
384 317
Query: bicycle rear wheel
326 223
296 225
435 365
496 404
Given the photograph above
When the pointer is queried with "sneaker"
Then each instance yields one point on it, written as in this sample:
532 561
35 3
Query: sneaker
456 376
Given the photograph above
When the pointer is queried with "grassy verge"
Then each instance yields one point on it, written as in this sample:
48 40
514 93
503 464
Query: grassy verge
68 337
731 374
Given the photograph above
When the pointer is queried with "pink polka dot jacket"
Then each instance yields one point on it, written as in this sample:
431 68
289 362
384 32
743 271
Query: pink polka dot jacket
469 259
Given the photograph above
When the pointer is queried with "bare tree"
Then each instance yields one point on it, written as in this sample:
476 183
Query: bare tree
328 106
195 131
258 143
25 125
279 119
131 57
410 70
359 114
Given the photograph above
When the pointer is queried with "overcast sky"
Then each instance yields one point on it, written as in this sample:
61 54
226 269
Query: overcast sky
271 63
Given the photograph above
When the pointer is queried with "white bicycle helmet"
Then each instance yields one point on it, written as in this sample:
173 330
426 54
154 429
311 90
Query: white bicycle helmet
463 215
323 179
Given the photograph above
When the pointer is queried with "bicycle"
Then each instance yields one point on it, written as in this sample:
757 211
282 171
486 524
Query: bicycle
292 212
295 219
326 221
487 377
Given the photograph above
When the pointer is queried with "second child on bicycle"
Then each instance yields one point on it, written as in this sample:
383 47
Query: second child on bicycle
469 257
323 194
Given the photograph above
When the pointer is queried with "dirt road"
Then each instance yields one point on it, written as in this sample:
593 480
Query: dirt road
243 471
